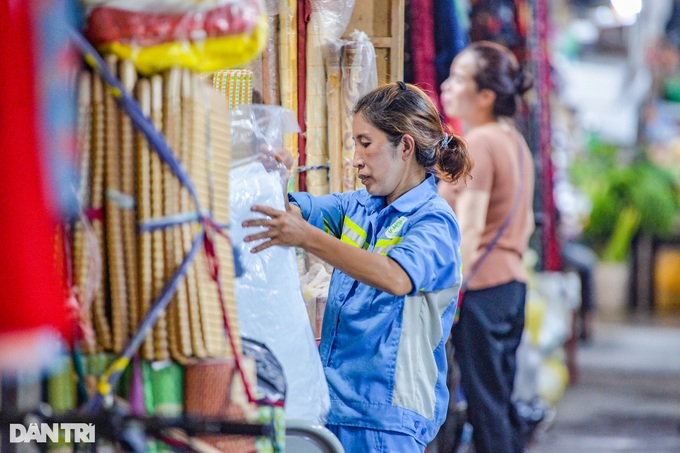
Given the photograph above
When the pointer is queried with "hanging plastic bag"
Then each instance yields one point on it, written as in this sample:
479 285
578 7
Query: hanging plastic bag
270 303
157 34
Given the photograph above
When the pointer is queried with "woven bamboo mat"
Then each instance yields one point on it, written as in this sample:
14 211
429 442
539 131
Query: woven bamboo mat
125 185
128 77
178 310
335 114
161 349
113 218
144 213
288 68
81 236
101 322
236 85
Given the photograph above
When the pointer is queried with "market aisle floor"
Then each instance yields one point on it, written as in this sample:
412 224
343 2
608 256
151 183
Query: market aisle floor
627 398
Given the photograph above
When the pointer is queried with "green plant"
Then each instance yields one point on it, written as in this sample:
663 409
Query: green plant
626 198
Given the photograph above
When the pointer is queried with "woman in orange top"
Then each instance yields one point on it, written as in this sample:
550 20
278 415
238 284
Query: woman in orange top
496 219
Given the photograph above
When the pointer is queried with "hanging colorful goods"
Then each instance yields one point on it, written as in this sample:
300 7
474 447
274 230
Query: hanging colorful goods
202 36
210 235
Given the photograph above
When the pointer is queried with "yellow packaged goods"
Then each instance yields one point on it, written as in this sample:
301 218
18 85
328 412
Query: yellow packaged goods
202 36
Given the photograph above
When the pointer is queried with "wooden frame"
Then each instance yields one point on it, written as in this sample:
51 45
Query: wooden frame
383 22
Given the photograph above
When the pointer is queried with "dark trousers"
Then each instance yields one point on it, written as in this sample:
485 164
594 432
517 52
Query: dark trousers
486 339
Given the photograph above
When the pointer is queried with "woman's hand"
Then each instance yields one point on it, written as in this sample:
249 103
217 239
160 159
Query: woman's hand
285 157
284 228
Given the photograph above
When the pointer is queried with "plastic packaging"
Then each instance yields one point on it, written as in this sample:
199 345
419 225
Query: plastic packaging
364 57
359 76
157 34
152 22
270 303
327 22
257 132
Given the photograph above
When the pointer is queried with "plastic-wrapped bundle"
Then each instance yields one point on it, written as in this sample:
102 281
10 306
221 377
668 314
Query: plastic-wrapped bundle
327 22
270 304
148 23
158 34
359 76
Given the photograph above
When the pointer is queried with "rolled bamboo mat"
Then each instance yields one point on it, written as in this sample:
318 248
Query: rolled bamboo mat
220 134
351 78
179 330
115 263
212 328
335 115
144 213
161 351
236 85
288 68
83 236
190 158
270 64
316 114
211 391
128 78
101 323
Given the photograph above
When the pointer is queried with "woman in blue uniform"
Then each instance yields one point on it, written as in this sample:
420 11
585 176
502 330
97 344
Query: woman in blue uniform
393 293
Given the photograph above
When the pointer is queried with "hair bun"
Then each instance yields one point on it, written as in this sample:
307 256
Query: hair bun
523 82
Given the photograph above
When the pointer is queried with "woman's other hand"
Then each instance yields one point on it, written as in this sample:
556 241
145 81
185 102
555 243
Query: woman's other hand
283 228
285 157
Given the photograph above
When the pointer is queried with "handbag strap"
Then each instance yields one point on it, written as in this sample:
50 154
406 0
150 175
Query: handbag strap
506 223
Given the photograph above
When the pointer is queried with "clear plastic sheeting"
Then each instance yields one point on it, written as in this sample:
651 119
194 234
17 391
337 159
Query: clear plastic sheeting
270 304
327 22
257 133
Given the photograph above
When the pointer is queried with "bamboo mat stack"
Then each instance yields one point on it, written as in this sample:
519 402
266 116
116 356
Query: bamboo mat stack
120 264
288 75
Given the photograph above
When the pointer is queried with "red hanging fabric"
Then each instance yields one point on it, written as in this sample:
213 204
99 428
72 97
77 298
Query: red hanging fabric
540 55
32 297
423 48
304 9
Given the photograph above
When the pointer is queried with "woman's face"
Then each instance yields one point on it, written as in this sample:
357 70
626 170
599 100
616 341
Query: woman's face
459 92
380 168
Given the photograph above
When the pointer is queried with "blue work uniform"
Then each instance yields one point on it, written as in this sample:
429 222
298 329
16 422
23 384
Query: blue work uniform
384 355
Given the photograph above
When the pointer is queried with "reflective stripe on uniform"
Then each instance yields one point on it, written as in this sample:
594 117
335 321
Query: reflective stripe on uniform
383 246
352 234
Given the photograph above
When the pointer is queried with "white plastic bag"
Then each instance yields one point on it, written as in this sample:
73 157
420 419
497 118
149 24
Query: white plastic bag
270 304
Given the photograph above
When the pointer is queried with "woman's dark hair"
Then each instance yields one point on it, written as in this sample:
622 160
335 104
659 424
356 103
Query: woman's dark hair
499 71
398 109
